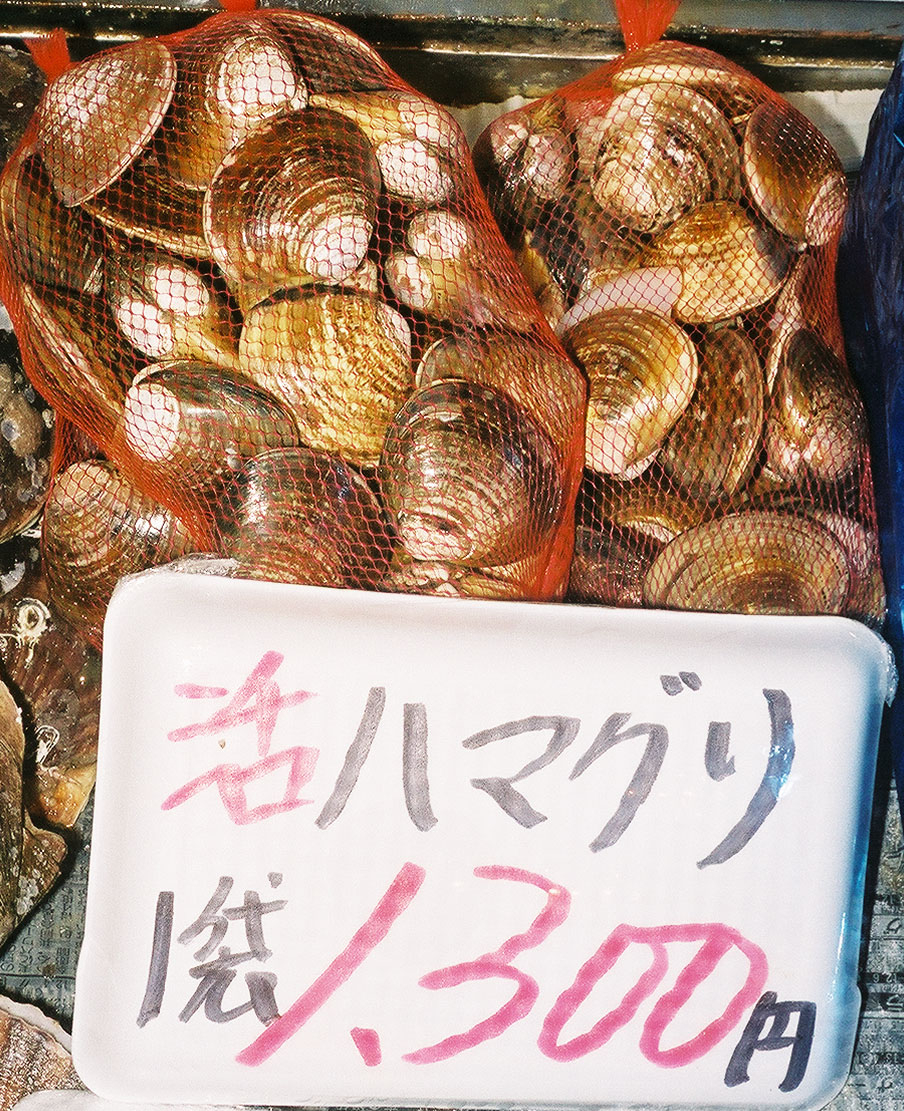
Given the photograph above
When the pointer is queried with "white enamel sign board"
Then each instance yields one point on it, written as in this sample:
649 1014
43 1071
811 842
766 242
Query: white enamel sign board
355 849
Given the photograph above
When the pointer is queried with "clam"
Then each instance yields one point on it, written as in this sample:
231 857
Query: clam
331 57
98 116
168 309
866 599
731 263
98 526
78 360
755 562
533 374
341 362
663 150
800 304
295 202
648 508
608 566
194 424
714 445
233 75
147 204
816 424
451 271
642 369
419 145
451 580
733 89
26 444
793 173
49 243
57 676
469 477
297 515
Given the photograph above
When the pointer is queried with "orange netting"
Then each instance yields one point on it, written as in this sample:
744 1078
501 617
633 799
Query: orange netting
679 221
253 271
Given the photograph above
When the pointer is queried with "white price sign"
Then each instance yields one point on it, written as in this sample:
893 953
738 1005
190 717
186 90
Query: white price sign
357 849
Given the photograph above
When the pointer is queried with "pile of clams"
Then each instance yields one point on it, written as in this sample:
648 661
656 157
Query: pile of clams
678 223
256 273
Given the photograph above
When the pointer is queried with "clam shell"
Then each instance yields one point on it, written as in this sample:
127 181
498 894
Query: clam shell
97 117
97 526
866 599
450 580
194 424
664 149
816 424
715 444
26 444
755 562
80 364
297 515
49 243
642 369
295 200
793 173
331 57
233 75
608 566
57 675
148 204
34 1054
648 508
730 263
797 306
341 362
469 477
167 309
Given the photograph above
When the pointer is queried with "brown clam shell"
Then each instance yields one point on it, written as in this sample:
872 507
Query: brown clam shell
816 425
341 362
295 201
642 369
297 515
97 526
97 117
34 1054
469 477
714 445
755 562
608 566
331 57
407 575
793 173
193 424
730 262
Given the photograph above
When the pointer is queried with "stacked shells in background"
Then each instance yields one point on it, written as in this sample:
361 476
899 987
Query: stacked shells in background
678 222
255 274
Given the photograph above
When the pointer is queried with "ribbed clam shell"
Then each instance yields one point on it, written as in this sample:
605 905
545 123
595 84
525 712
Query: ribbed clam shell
193 423
233 74
664 149
341 362
451 580
647 507
147 204
49 243
797 306
295 200
642 369
331 57
97 526
536 377
297 515
168 309
714 445
730 262
816 424
34 1054
867 597
83 368
733 89
99 115
469 477
26 443
755 562
794 175
57 676
608 566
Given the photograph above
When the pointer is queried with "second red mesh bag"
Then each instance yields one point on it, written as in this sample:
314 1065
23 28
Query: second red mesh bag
679 223
254 271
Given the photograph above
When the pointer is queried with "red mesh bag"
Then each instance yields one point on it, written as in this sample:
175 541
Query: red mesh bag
679 222
255 273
